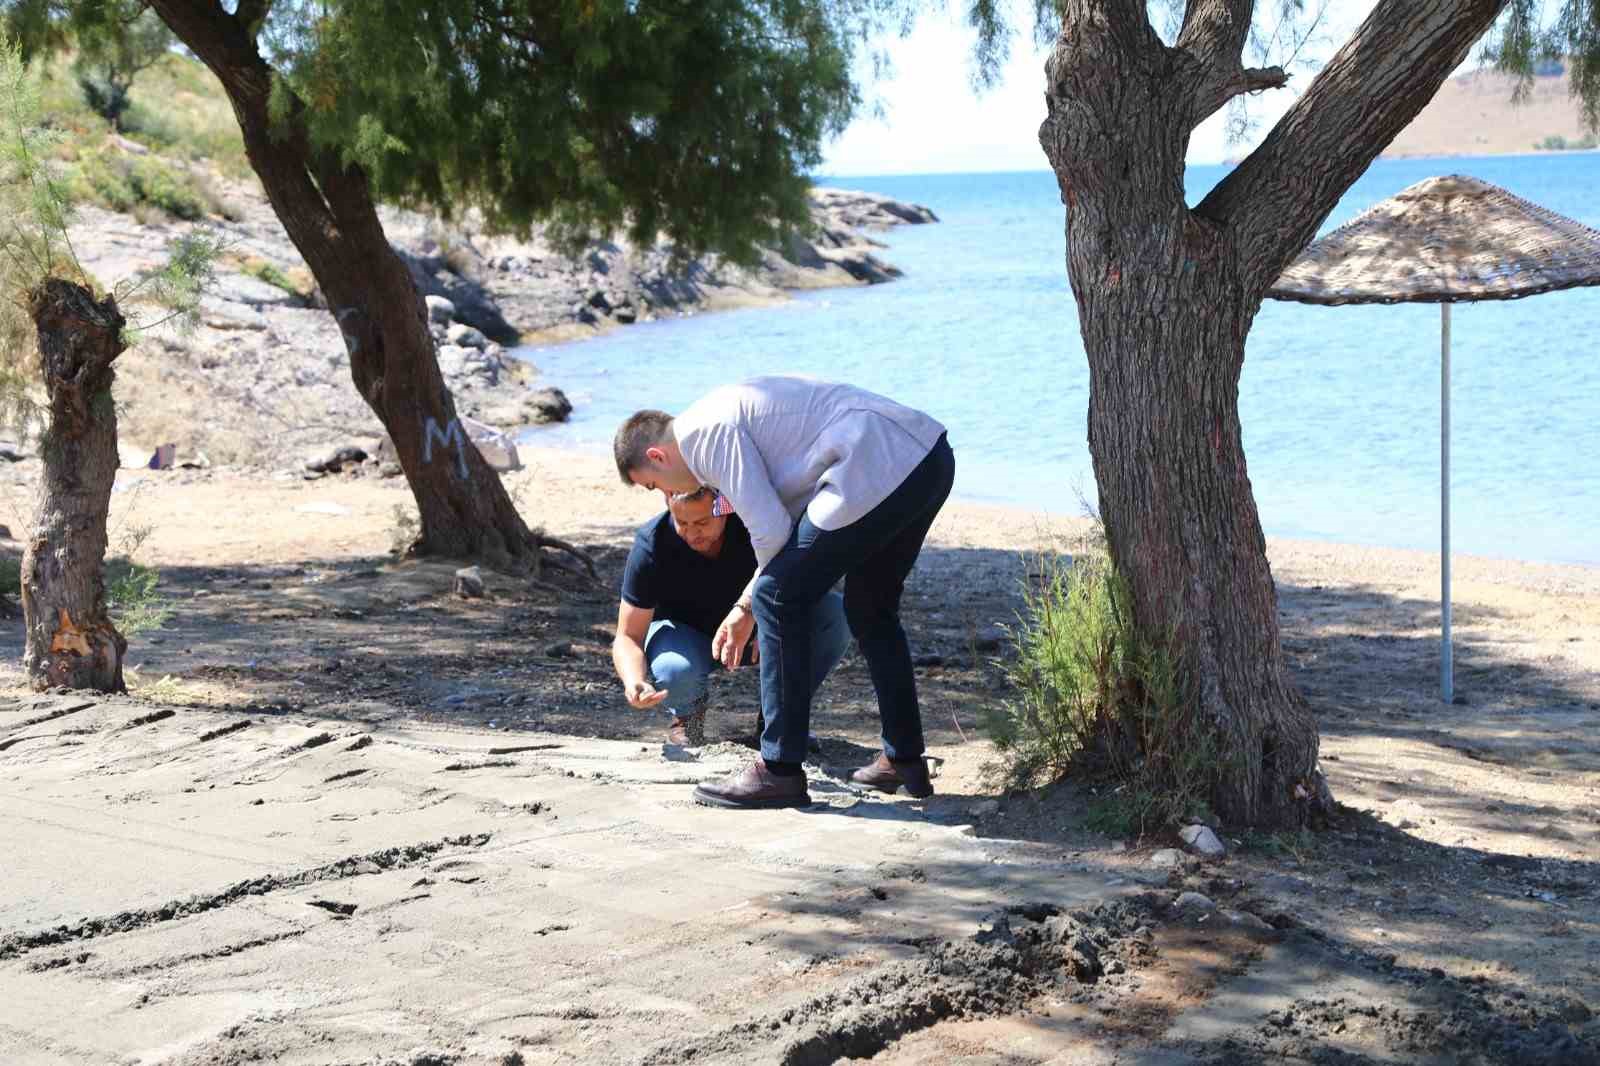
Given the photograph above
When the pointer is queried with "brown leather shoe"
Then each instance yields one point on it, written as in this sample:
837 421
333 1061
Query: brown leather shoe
887 776
755 788
688 731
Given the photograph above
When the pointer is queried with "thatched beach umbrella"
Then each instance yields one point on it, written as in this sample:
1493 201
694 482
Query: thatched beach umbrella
1441 241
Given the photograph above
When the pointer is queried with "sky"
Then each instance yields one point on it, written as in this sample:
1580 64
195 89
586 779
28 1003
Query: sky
934 122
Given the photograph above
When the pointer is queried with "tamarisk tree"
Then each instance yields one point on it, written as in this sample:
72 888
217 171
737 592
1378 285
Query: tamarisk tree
60 335
1166 294
693 120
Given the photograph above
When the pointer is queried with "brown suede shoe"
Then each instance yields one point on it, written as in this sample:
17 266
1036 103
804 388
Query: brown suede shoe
688 731
755 788
886 776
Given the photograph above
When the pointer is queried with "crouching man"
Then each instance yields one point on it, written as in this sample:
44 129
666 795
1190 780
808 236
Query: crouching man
833 482
684 576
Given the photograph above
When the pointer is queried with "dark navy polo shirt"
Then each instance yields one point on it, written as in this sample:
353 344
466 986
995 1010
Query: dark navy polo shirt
668 577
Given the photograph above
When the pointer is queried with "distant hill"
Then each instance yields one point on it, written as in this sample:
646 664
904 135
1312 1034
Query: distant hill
1473 115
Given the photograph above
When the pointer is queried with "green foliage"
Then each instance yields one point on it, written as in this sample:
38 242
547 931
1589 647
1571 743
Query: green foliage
10 577
37 198
178 284
135 604
179 110
136 184
35 209
272 275
35 202
1557 143
1532 34
132 40
132 597
1097 700
698 121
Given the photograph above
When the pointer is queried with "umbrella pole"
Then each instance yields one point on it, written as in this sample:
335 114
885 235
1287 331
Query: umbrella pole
1446 671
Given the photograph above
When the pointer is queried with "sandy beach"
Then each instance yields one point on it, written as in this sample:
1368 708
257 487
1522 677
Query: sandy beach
346 816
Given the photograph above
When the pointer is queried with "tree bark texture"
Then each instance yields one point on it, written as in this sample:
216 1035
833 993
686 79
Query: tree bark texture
70 638
327 209
1166 297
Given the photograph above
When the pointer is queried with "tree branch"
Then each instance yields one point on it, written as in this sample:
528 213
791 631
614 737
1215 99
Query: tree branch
1119 15
1370 90
1214 31
219 39
1218 91
251 14
1214 34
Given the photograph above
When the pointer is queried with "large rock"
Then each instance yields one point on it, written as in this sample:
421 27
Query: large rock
466 336
440 310
453 359
857 209
1202 841
469 583
332 462
471 302
547 405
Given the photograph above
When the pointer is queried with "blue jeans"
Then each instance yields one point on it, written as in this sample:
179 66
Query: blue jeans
873 554
680 656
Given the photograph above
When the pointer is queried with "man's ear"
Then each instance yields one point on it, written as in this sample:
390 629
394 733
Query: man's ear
655 453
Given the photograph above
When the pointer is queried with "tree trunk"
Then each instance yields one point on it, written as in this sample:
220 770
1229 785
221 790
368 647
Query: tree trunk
326 207
1166 297
1164 316
1181 519
70 638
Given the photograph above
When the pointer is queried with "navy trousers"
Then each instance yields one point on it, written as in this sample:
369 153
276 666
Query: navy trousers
873 555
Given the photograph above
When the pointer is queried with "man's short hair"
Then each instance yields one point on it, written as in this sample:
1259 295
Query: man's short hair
692 494
643 429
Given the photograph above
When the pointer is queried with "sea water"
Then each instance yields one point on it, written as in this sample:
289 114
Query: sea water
1339 405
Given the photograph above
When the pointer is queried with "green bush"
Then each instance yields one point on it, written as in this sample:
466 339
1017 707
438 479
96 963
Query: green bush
275 277
135 605
1098 701
131 184
1557 143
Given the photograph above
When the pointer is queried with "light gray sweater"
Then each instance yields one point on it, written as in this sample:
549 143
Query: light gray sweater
781 446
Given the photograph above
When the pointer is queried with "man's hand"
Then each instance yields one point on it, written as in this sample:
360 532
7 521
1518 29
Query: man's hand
732 636
642 695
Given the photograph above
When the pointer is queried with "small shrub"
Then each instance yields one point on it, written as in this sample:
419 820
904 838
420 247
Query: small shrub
1097 700
106 97
294 281
150 128
276 278
132 597
1557 143
131 184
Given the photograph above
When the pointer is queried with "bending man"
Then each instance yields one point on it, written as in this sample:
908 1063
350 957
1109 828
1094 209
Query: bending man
832 482
685 572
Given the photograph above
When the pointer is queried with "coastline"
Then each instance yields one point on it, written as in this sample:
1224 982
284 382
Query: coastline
576 495
263 381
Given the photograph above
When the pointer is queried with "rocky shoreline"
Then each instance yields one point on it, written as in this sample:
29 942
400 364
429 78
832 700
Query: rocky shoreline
264 381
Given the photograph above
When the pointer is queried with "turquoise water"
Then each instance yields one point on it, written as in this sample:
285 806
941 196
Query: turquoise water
1340 406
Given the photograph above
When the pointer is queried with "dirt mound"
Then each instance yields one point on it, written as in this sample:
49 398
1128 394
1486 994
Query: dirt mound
1028 952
